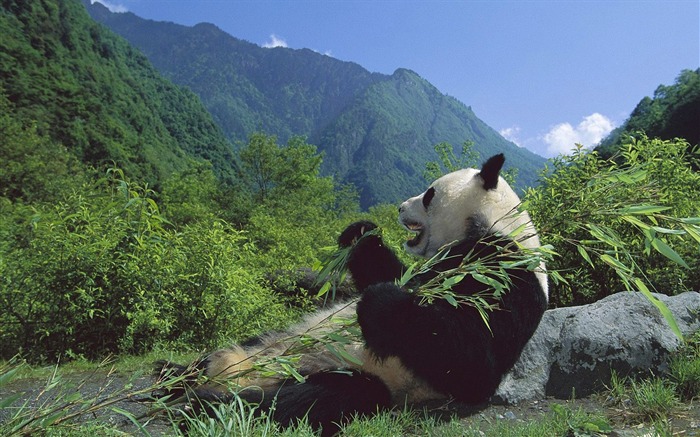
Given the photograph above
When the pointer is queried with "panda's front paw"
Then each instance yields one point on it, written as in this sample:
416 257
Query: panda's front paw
353 233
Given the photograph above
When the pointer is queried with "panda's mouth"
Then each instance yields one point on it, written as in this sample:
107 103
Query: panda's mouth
416 228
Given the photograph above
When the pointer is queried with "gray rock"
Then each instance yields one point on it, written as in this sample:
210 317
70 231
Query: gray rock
575 350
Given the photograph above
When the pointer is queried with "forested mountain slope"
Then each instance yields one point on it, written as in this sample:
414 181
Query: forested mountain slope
92 92
377 131
673 112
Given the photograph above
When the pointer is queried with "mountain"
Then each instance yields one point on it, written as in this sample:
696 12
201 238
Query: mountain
387 136
376 131
673 112
92 92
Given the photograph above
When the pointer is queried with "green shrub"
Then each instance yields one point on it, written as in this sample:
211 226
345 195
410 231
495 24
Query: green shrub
610 220
104 272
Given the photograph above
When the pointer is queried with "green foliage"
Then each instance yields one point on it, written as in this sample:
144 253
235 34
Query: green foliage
375 130
653 399
270 167
90 92
32 167
295 212
684 369
449 162
618 224
103 272
468 158
673 112
192 195
232 419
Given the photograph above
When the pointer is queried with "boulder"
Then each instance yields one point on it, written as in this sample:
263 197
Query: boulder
575 350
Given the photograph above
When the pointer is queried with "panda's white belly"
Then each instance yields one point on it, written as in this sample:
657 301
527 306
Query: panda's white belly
405 387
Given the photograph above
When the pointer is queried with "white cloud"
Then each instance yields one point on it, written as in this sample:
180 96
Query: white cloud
511 134
275 41
326 53
561 139
111 6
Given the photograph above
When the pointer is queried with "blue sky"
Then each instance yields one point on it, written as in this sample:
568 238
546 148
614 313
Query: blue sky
546 74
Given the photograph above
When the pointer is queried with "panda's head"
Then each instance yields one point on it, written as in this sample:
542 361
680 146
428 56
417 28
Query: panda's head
464 203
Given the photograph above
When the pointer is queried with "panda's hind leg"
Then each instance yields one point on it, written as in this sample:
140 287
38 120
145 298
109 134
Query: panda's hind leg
219 370
326 399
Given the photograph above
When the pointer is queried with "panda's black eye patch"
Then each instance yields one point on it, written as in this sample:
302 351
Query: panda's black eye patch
428 196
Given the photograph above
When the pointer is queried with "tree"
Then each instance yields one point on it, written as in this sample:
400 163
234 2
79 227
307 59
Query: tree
294 212
271 167
449 162
191 195
33 168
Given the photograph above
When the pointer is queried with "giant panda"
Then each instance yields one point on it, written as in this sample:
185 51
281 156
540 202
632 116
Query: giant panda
411 351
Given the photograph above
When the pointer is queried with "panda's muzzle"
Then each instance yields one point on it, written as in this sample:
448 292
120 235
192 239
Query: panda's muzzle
416 228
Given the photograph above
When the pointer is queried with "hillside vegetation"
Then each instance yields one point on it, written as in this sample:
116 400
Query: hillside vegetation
376 131
673 112
91 92
118 236
129 225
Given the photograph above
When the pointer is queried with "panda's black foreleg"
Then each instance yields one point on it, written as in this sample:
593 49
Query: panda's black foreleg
384 314
370 261
326 399
450 348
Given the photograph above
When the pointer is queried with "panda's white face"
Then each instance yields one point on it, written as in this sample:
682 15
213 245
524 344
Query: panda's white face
439 215
450 208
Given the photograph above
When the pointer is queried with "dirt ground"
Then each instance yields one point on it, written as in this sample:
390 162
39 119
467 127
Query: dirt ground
685 421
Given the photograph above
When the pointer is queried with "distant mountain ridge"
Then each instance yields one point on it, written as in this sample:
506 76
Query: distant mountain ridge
376 131
92 92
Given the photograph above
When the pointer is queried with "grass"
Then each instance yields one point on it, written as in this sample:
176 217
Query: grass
58 408
656 400
684 370
653 399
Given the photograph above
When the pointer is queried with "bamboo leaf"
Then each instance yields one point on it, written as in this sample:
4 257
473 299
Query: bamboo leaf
691 220
661 230
349 357
324 289
584 255
613 262
290 370
131 419
407 275
666 250
343 355
8 376
692 231
517 231
604 236
338 338
663 309
485 317
492 282
451 300
453 280
9 400
643 209
635 221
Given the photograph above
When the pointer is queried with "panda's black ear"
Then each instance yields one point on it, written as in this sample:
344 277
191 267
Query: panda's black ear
490 169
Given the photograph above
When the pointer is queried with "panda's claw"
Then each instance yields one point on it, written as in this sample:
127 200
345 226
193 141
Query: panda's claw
353 232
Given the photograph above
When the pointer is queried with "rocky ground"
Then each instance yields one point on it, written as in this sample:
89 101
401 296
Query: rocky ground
114 388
